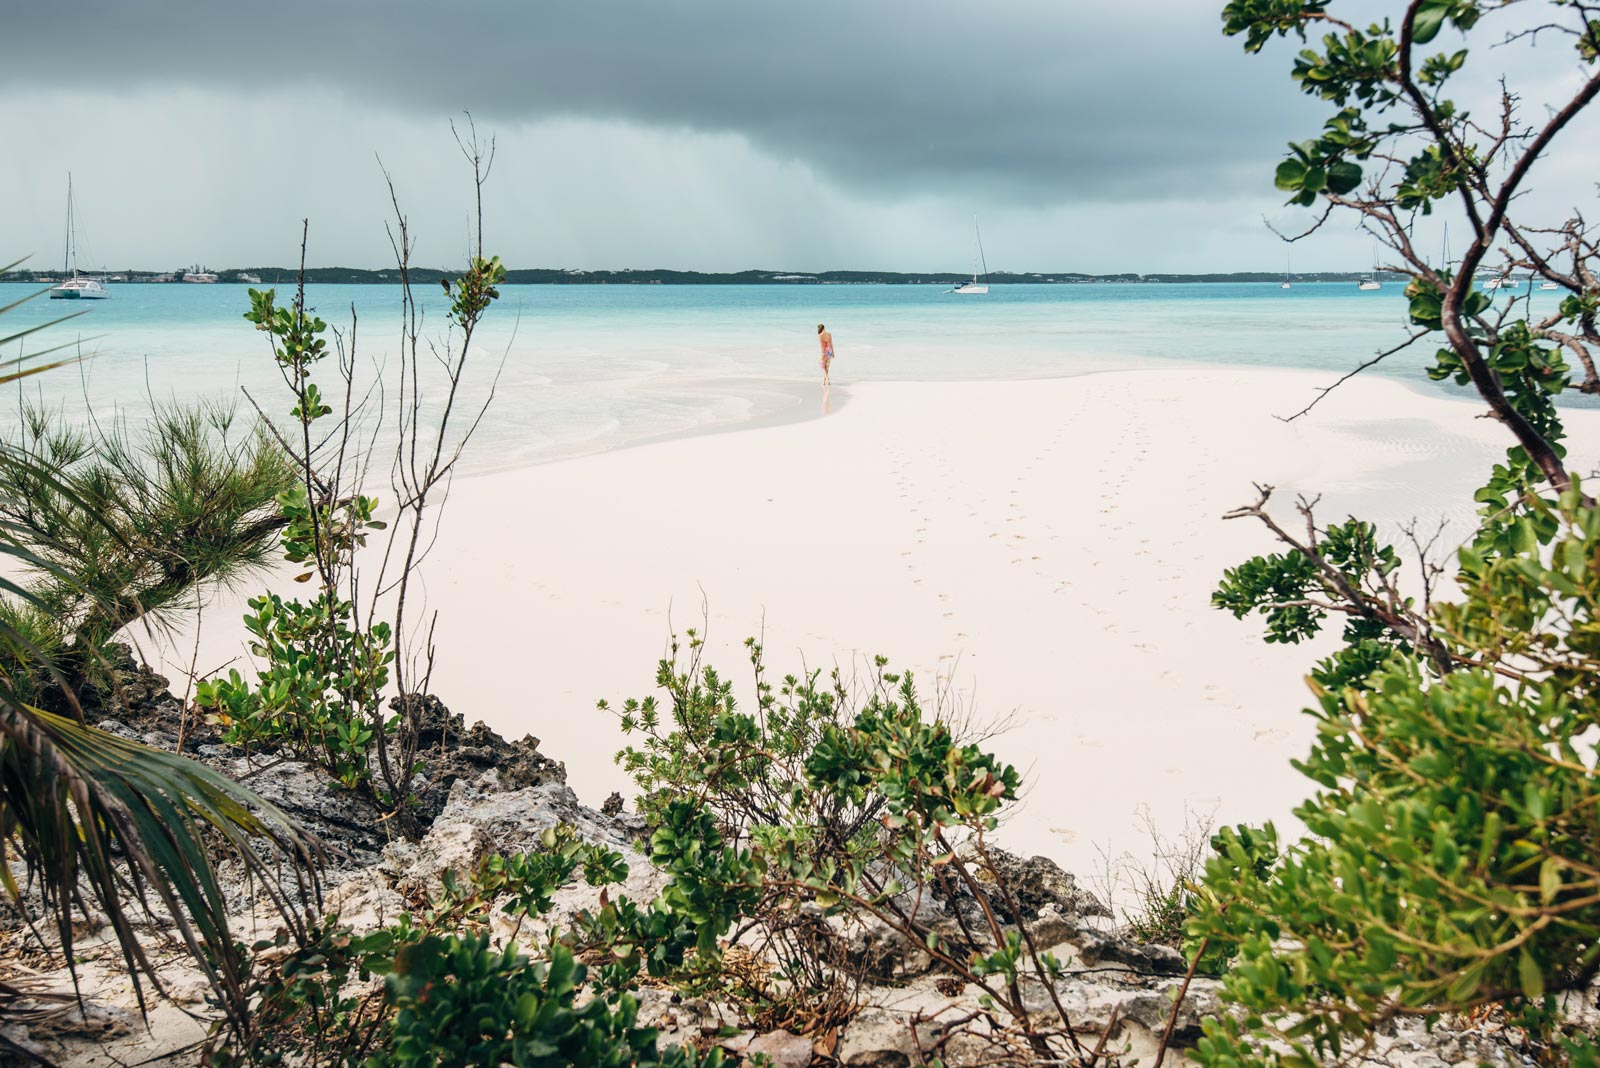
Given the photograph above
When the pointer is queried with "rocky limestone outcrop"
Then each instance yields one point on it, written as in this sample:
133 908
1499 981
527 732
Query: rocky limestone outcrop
142 708
483 795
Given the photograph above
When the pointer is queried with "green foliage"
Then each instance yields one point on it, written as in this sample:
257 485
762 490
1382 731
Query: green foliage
711 886
1452 860
326 660
319 689
820 800
1330 164
459 1002
86 814
1294 592
1391 100
1291 590
1276 586
123 525
472 293
1450 863
321 685
312 1001
1516 516
90 814
448 999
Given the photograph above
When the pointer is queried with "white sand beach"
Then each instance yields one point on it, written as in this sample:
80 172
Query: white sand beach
1046 550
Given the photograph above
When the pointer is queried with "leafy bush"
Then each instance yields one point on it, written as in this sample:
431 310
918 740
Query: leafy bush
327 660
459 1002
817 803
449 996
1453 856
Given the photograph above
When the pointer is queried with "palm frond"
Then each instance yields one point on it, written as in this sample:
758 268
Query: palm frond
90 809
97 819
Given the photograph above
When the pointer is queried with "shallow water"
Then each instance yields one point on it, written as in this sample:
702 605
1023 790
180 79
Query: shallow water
587 368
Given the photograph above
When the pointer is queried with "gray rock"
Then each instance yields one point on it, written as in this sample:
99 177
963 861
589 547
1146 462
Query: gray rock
882 953
1096 948
451 752
479 819
1038 883
1096 1006
352 831
879 1038
784 1049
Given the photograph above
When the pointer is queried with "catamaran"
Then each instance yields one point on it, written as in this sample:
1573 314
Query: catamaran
75 288
975 287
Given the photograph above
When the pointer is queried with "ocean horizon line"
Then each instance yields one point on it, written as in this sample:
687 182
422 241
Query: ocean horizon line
668 276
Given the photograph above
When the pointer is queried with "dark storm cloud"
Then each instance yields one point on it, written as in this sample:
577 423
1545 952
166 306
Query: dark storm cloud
1040 101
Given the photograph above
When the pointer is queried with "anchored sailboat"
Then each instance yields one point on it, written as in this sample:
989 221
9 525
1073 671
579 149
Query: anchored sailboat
75 288
1370 281
974 287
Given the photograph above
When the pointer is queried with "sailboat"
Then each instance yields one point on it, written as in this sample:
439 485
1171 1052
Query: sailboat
1286 284
1370 281
1549 285
75 288
976 288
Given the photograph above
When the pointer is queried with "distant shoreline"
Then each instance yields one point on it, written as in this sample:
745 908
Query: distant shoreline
566 276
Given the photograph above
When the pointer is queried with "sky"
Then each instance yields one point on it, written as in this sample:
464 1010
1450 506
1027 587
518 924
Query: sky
834 134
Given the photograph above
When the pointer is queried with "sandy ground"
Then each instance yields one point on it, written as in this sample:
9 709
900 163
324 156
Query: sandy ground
1044 550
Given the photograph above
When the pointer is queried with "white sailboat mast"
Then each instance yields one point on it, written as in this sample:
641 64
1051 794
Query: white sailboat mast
981 258
69 255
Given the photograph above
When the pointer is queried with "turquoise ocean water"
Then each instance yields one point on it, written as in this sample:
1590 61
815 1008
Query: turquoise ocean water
586 368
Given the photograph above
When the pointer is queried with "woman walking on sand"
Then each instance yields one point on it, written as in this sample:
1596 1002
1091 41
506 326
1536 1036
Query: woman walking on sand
825 339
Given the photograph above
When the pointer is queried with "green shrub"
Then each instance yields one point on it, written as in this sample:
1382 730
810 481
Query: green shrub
459 1002
133 525
314 1002
1452 862
817 803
